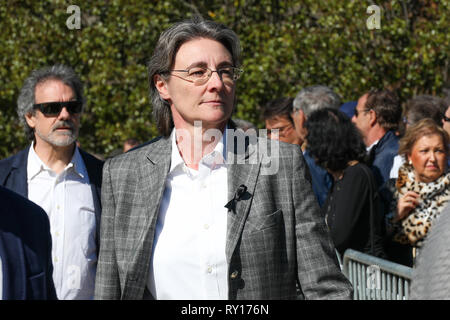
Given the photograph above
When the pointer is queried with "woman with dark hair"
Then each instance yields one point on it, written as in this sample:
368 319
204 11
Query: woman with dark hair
352 210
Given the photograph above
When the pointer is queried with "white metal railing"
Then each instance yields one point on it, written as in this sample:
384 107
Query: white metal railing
374 278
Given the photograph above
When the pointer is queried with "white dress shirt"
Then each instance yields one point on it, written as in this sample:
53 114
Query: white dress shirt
188 259
67 199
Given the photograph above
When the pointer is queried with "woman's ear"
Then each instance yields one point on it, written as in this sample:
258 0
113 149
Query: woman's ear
161 86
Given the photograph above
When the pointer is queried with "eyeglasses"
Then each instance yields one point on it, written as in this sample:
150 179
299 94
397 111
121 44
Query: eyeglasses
200 75
282 131
446 119
54 108
357 112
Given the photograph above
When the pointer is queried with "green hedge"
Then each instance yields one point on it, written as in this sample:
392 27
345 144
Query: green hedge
287 45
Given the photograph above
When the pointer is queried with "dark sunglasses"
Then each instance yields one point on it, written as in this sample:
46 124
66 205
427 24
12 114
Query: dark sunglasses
54 108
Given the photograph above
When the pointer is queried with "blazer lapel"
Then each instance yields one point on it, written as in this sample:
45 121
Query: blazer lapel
243 170
155 166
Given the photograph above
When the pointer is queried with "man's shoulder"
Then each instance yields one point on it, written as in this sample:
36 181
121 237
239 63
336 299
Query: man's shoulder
16 161
389 142
18 158
387 148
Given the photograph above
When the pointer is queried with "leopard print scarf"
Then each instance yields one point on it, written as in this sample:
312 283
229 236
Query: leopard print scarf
433 198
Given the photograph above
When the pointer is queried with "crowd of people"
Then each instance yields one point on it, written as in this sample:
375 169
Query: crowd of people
212 209
388 210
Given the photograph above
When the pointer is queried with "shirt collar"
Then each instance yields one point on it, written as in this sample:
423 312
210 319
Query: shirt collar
217 156
36 165
371 146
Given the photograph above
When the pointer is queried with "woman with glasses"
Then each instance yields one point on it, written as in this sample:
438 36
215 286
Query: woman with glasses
198 213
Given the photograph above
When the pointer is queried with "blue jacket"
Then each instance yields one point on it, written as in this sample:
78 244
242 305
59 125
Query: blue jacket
383 157
13 175
321 180
25 249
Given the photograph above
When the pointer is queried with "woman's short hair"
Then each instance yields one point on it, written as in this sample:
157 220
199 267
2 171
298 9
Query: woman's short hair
26 98
165 52
424 127
333 140
425 106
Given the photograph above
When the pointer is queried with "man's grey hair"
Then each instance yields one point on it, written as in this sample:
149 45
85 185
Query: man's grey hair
165 52
26 98
314 98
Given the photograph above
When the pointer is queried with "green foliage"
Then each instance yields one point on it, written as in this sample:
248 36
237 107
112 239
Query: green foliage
287 45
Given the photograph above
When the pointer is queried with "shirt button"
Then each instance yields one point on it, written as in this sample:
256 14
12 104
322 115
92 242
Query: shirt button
57 207
206 226
234 275
56 259
57 233
209 270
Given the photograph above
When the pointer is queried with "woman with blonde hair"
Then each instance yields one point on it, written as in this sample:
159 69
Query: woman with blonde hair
421 191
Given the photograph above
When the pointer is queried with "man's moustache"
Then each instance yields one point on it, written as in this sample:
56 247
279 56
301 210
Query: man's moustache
59 125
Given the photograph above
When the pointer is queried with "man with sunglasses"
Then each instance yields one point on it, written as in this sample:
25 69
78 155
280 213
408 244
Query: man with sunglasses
377 116
58 176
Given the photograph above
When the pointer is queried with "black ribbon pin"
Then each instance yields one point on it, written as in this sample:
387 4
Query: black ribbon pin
231 205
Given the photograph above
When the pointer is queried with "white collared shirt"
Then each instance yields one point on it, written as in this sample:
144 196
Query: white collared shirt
188 259
371 146
399 160
67 199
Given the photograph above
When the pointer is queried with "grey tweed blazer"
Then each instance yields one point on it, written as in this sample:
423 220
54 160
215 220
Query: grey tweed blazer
431 275
276 237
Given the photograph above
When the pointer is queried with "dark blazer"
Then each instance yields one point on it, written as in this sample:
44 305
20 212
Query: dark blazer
276 237
382 157
13 175
25 249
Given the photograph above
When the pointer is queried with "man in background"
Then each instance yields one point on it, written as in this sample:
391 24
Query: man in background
377 116
278 116
58 176
308 100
